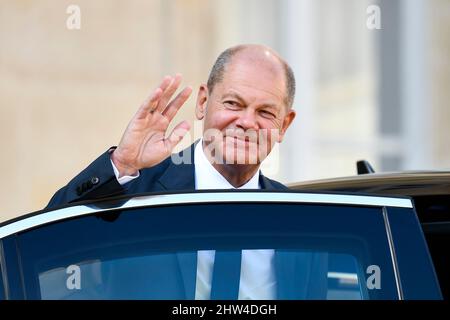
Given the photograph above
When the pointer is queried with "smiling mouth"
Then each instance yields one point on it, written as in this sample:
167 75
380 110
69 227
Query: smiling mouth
247 140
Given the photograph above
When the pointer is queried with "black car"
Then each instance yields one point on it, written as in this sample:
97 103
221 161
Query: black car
322 245
430 193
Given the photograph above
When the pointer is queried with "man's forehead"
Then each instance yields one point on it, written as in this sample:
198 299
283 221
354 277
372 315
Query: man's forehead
257 59
258 52
262 76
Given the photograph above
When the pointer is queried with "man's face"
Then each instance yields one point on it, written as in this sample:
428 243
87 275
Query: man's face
245 114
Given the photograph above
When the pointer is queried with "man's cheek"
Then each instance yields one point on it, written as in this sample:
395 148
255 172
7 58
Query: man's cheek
267 139
223 119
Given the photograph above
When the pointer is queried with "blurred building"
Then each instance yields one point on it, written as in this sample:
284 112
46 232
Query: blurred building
67 95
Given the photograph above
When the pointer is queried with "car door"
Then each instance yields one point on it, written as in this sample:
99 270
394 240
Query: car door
316 246
2 288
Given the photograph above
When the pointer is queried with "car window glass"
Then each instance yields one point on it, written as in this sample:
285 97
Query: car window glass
312 252
135 278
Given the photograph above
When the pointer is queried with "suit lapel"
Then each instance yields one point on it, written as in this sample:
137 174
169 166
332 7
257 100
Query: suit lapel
180 176
265 183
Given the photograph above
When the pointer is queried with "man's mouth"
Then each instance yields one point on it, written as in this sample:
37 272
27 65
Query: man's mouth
242 140
246 139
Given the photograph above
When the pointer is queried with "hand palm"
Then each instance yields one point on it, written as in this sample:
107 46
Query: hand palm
145 142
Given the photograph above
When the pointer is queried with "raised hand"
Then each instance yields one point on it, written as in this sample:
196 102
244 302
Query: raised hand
145 143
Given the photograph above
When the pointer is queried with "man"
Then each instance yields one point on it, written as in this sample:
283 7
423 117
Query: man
246 107
250 90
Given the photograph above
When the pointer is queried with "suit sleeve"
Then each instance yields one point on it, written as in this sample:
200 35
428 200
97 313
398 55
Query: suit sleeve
96 181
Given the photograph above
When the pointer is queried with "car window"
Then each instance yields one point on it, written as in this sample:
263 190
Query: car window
310 251
434 215
111 279
345 279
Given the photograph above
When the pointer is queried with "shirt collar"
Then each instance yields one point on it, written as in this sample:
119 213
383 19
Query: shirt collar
207 177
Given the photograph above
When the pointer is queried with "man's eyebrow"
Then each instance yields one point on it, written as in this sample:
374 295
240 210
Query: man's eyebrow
241 100
234 95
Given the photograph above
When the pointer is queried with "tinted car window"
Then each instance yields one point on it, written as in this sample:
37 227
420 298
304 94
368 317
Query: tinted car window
135 277
434 214
315 251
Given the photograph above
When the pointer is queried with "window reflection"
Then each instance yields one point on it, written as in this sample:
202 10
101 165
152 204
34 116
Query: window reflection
297 274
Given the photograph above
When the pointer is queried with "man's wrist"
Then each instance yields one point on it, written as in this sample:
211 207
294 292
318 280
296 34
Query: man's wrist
124 170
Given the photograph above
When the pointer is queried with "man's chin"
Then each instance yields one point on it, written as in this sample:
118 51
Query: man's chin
241 155
234 154
232 160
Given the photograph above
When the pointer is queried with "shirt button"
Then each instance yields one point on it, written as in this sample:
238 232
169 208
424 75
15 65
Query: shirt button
95 180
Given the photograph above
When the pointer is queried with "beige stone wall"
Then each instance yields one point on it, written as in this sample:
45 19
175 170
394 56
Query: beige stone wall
439 73
67 95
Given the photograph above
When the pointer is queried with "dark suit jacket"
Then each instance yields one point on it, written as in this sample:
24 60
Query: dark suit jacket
299 275
98 180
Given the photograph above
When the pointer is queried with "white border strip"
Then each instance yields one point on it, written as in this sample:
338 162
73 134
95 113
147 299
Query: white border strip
213 197
393 255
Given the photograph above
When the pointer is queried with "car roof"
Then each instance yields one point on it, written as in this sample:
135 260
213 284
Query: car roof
406 183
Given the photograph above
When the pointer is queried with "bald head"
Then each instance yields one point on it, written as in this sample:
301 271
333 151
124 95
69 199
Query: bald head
252 53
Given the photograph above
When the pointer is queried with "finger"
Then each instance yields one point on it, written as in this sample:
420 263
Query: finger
168 93
149 104
165 82
178 134
152 100
176 103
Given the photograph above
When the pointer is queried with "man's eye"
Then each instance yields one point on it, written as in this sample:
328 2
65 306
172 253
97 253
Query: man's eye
267 114
232 104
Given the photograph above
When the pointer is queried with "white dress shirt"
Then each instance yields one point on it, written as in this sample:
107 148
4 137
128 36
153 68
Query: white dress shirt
257 272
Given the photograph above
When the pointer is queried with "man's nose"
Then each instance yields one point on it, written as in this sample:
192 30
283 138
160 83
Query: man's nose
247 120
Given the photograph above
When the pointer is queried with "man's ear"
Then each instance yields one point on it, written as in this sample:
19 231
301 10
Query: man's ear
202 101
286 123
